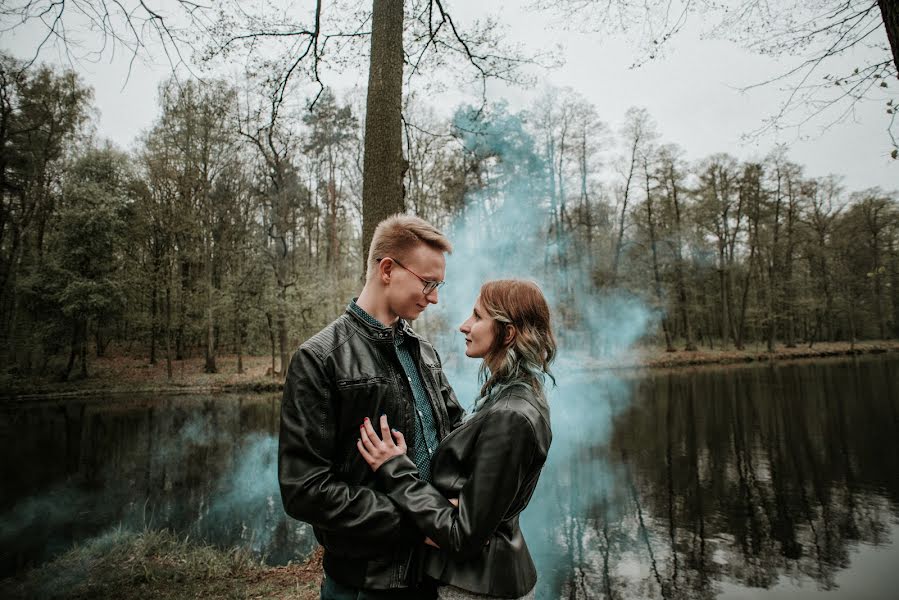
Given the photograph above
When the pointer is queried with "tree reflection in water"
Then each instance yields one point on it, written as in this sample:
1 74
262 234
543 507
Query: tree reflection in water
668 486
746 476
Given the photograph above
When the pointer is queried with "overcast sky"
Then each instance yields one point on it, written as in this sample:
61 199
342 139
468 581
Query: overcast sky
692 92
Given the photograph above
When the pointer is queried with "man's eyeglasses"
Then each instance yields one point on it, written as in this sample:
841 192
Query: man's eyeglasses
429 287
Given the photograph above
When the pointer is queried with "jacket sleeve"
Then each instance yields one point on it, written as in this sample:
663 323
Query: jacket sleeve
501 461
310 490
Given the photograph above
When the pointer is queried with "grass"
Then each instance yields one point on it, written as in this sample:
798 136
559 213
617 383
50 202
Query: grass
135 374
154 565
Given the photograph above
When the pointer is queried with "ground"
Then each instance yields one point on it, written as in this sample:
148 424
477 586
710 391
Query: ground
135 374
158 565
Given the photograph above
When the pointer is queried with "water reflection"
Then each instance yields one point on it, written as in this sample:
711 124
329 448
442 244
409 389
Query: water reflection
721 480
204 466
713 483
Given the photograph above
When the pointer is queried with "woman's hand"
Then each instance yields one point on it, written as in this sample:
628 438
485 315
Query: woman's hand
378 450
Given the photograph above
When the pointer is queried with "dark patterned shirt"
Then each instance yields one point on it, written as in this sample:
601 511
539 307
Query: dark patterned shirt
424 442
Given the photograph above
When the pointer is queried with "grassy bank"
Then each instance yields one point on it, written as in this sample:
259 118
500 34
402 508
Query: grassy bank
136 374
130 374
658 358
159 565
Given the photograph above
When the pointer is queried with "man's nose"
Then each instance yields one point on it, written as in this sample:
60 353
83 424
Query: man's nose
431 296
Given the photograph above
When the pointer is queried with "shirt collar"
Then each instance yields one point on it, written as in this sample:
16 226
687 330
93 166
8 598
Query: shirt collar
399 330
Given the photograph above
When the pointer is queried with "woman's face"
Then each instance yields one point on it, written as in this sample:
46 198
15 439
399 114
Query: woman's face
478 330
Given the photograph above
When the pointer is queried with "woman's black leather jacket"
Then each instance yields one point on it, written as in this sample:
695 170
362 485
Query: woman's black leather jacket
491 463
345 373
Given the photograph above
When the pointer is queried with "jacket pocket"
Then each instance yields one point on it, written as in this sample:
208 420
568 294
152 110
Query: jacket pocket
354 400
348 384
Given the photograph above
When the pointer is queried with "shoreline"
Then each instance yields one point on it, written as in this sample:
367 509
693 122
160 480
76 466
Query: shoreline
659 359
124 375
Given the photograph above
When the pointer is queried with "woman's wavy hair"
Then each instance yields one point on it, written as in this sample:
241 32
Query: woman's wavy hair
526 359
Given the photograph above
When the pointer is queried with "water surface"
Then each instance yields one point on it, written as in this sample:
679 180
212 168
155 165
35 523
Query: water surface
769 481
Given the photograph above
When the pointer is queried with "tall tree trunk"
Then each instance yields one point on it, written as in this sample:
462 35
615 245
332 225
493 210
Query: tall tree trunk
773 271
271 338
180 341
723 293
619 238
238 335
889 10
332 219
587 212
657 279
788 296
679 267
83 349
383 165
209 367
168 326
282 331
894 281
154 309
73 351
751 198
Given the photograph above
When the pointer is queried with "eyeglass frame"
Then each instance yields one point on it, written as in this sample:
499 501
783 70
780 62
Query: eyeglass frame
429 287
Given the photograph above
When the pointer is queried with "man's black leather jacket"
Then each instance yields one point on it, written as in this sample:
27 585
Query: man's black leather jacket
491 463
346 372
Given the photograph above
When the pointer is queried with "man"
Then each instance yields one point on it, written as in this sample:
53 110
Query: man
366 363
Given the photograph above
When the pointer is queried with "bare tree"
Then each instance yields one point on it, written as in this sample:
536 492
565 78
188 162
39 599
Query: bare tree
813 36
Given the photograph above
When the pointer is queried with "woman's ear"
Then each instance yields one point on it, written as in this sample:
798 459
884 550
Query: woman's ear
511 332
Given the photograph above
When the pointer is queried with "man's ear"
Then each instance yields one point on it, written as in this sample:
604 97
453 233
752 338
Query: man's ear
385 267
511 332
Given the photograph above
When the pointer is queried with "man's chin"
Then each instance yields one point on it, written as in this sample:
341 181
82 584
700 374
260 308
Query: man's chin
412 314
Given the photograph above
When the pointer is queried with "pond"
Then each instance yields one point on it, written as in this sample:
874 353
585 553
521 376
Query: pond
764 481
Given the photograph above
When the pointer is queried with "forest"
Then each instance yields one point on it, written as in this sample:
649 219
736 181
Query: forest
223 231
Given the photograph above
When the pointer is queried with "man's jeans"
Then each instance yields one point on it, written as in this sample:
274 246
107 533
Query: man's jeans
331 590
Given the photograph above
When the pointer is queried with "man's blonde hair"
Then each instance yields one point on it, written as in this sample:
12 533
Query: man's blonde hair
398 235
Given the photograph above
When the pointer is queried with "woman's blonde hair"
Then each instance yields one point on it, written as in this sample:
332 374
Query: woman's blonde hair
527 357
398 235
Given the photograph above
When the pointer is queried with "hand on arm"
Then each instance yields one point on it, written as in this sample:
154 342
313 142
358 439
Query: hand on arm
498 471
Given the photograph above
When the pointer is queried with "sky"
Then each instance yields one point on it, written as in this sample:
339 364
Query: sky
692 92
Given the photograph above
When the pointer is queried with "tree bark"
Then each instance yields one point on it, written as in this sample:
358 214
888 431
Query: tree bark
656 275
679 267
271 338
383 164
153 316
209 366
889 10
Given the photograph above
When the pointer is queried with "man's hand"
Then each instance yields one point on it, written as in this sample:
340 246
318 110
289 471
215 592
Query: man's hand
378 450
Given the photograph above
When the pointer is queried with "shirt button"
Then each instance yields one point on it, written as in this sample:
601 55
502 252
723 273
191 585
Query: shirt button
409 378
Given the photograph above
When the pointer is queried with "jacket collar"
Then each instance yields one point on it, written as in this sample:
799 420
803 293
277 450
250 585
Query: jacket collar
374 329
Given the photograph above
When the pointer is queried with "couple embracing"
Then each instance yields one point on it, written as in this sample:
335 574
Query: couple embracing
410 497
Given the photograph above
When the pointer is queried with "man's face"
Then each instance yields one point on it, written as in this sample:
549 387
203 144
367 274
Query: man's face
404 290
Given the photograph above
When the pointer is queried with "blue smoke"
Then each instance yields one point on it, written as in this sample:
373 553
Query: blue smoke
504 231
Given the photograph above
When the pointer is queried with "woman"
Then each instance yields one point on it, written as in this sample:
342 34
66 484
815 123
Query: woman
491 462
